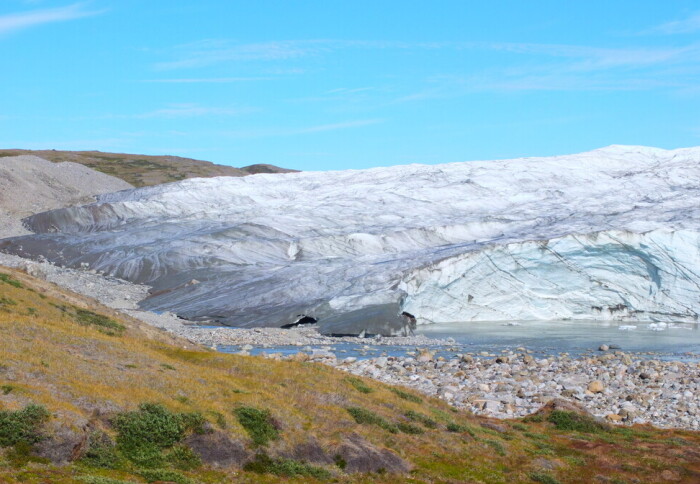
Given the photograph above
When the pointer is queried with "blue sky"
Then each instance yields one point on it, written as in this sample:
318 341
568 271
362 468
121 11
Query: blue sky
319 85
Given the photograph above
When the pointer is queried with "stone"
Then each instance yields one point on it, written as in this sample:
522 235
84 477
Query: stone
218 449
596 386
547 464
501 429
300 357
491 406
424 356
670 475
603 348
361 456
311 451
62 444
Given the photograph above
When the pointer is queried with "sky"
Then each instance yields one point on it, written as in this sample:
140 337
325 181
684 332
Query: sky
330 84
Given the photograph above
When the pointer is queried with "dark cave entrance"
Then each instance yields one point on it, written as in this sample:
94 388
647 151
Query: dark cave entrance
303 320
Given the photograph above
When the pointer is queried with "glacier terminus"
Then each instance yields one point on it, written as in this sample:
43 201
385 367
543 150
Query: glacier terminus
610 234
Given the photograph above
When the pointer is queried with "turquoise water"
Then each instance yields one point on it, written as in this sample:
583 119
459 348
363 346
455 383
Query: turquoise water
543 338
574 337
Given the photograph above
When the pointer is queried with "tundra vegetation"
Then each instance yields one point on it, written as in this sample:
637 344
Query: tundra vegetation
89 396
145 170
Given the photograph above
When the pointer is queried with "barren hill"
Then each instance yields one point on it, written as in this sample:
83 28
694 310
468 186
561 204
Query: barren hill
145 170
29 185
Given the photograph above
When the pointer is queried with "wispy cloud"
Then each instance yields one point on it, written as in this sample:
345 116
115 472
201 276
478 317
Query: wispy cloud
557 67
18 21
336 126
193 110
210 80
512 66
208 52
320 128
594 58
348 90
685 26
215 51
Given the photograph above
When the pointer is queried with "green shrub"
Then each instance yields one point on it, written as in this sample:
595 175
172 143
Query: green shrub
21 454
144 434
571 421
359 385
339 461
453 427
22 425
258 423
153 475
408 428
6 389
497 446
534 436
219 418
193 422
11 281
424 419
364 416
264 464
543 477
102 480
405 395
102 323
101 452
6 301
183 458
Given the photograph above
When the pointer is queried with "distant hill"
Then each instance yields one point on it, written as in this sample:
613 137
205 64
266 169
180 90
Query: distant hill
144 170
263 168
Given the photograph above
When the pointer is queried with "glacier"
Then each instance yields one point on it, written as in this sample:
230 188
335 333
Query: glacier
610 234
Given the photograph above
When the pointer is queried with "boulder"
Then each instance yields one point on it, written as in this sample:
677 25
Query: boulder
596 386
62 444
311 451
361 456
218 449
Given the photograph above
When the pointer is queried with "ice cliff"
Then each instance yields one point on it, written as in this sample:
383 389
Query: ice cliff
608 234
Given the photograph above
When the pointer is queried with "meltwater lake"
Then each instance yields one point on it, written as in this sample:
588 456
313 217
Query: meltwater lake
663 341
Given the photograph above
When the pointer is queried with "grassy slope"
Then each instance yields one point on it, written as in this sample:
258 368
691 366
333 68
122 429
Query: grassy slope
143 170
47 357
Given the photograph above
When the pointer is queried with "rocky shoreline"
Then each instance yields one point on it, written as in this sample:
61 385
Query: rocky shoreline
618 386
612 385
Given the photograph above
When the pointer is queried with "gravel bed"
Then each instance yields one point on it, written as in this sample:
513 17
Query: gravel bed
613 385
